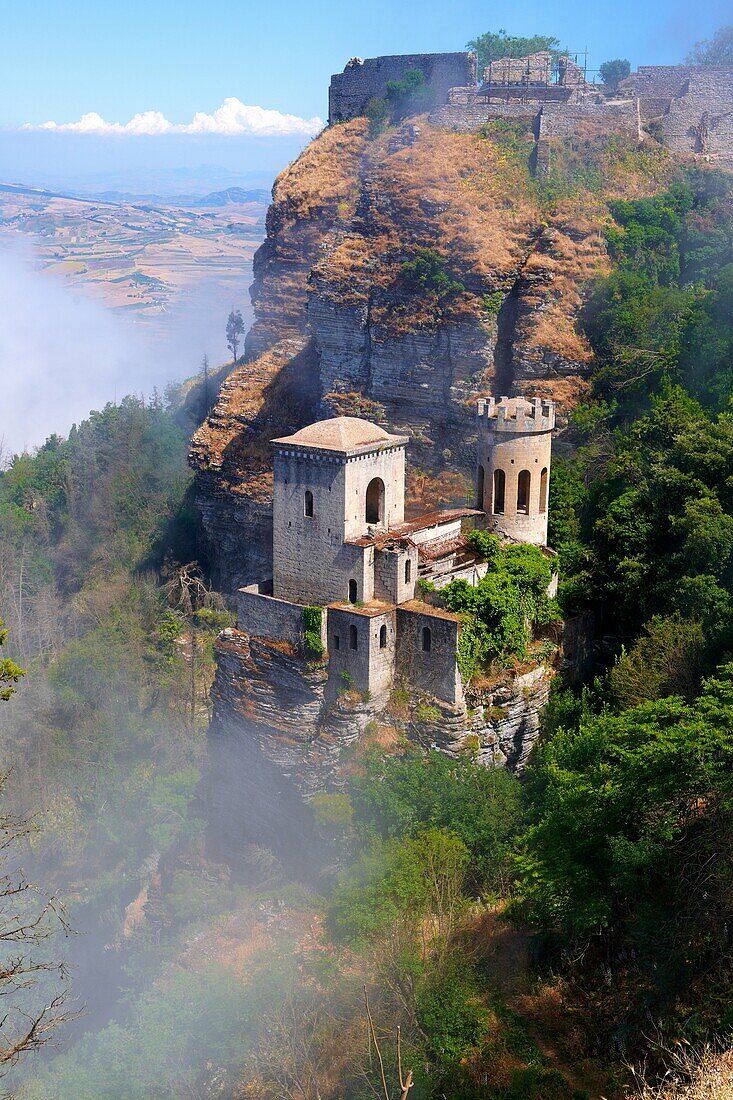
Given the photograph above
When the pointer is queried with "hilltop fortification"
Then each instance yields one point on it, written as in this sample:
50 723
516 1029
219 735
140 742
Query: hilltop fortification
689 108
350 91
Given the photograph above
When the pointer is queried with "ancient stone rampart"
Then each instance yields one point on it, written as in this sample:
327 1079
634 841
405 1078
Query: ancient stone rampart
466 112
362 80
701 121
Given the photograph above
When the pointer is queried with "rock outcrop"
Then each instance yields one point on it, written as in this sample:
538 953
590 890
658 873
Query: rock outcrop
400 281
278 738
342 328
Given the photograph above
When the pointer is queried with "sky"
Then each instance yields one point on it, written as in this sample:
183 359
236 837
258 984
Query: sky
172 97
61 60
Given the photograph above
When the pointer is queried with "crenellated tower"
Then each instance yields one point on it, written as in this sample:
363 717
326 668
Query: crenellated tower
513 469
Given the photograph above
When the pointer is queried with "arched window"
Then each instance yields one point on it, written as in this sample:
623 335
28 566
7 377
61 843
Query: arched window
543 490
353 639
426 639
480 487
523 486
408 570
353 591
375 501
499 487
308 503
383 636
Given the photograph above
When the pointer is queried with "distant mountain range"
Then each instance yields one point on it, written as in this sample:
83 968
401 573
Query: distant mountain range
230 196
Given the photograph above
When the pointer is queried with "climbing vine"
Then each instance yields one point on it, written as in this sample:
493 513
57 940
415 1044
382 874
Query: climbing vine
312 620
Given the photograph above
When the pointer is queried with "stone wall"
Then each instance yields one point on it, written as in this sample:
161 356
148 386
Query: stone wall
564 120
434 670
535 69
465 113
351 90
263 616
394 580
355 647
701 121
658 80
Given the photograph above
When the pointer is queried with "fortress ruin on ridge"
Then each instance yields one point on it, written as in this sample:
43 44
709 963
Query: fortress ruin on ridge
689 108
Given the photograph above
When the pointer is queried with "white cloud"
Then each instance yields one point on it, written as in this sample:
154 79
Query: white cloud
232 119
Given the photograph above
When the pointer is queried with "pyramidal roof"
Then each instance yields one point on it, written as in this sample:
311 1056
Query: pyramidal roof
344 435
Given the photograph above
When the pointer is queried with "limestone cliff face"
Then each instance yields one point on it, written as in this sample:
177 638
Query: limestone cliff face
279 737
341 328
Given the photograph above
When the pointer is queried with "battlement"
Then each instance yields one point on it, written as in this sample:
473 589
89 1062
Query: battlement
518 414
363 80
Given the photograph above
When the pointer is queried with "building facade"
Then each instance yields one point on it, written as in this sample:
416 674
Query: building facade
341 543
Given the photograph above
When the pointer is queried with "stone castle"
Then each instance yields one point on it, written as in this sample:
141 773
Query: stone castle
341 547
689 108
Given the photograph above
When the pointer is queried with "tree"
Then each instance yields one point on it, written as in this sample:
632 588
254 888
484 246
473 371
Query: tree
630 845
235 330
26 1024
495 44
187 593
28 981
205 380
9 671
715 52
613 72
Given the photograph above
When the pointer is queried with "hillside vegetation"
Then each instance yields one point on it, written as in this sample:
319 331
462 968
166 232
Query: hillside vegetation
530 940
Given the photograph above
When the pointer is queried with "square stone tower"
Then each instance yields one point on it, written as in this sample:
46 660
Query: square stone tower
335 481
513 473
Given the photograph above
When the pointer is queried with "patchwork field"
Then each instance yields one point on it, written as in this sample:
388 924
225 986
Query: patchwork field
135 256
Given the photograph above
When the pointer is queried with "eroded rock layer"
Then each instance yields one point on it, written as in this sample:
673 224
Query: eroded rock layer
343 327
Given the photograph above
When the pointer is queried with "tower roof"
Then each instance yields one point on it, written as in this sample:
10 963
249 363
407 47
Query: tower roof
344 435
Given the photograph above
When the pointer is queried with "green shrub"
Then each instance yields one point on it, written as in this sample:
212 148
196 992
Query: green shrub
312 620
428 270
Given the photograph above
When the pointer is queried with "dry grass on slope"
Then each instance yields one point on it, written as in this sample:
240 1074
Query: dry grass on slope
426 196
259 401
694 1075
325 173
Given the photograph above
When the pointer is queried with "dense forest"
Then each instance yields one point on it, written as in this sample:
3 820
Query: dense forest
531 939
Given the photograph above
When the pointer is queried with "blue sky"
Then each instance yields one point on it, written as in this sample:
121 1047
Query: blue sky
60 59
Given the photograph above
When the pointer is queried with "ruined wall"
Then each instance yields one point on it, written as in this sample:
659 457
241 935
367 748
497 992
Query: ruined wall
535 69
701 121
434 670
351 90
466 113
564 120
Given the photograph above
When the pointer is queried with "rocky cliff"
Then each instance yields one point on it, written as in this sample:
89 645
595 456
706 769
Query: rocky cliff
279 737
340 327
344 327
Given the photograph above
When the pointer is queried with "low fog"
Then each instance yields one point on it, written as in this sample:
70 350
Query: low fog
62 353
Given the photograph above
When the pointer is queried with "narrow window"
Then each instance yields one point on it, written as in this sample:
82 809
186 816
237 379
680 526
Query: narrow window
427 639
353 590
499 484
336 641
375 501
308 504
352 637
383 637
523 486
408 570
543 490
480 488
